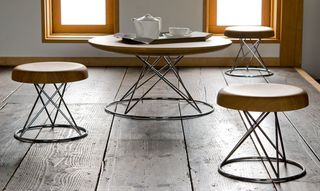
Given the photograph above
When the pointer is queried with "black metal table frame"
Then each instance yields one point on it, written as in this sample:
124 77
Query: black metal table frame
150 67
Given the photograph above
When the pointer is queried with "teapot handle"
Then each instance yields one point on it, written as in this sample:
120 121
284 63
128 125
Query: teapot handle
160 23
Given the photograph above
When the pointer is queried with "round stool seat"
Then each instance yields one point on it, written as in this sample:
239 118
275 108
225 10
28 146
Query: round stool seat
49 72
249 32
263 97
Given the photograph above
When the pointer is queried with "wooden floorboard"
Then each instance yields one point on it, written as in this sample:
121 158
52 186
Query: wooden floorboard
146 155
18 99
12 152
67 166
124 154
8 86
307 120
300 130
99 87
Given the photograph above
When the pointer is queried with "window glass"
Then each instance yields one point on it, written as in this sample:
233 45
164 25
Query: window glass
239 12
83 12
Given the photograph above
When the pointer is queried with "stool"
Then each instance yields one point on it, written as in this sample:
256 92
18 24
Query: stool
246 34
43 74
264 98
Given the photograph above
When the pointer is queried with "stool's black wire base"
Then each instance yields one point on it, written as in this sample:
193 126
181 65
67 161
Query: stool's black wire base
29 124
144 117
36 140
266 159
261 70
301 173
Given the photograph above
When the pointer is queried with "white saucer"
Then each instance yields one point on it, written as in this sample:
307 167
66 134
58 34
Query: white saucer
168 35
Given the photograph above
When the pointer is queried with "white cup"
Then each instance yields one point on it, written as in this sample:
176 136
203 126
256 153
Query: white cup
179 31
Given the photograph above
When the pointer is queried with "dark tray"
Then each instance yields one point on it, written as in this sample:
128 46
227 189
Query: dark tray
164 39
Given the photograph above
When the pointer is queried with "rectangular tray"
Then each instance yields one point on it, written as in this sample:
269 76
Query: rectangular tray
193 37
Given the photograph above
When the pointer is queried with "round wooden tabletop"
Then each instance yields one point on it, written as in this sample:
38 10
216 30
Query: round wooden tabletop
113 44
249 32
263 97
49 72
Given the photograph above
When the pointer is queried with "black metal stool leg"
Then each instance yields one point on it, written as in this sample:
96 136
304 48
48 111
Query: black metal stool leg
252 49
278 159
29 126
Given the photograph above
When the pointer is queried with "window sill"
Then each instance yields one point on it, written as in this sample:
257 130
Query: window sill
83 38
70 37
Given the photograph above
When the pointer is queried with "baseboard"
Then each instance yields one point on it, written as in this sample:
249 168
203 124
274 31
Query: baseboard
309 79
128 61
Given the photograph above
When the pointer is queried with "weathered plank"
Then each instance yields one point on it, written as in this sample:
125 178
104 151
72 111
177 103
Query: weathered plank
300 138
12 151
296 150
209 139
67 166
146 155
74 165
12 117
307 120
98 88
7 86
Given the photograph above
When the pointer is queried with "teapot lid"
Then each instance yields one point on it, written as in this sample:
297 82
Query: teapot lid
147 17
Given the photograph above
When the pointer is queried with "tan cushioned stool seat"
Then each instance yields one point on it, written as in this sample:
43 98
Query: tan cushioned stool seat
249 32
49 72
263 97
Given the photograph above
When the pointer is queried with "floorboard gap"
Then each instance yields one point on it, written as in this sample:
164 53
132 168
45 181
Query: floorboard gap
109 134
10 94
299 133
104 154
18 166
304 140
186 149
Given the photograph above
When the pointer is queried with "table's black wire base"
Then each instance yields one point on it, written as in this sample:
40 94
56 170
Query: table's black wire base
145 117
57 104
150 70
260 71
275 174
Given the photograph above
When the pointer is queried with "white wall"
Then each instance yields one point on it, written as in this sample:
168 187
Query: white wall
20 32
311 40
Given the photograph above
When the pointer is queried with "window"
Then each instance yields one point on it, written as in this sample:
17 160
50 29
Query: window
243 12
79 19
223 13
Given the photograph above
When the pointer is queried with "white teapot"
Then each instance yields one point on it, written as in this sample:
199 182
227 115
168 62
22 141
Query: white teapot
147 26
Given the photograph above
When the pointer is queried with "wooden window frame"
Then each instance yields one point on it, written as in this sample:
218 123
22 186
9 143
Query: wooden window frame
268 17
54 31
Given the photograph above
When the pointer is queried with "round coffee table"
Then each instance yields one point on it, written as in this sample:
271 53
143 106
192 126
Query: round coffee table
171 53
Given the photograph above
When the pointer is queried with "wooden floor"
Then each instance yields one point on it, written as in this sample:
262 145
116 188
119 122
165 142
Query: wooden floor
125 155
